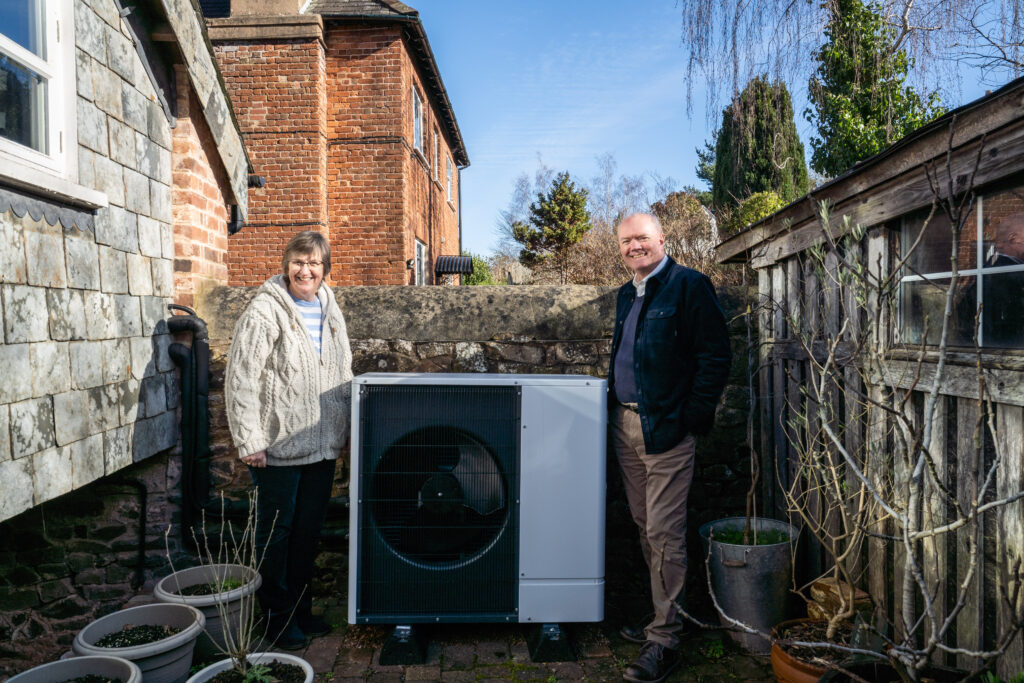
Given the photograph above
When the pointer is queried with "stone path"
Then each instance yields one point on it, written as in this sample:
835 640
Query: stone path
486 652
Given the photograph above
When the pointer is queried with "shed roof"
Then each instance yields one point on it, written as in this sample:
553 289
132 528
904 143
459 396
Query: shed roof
416 36
890 183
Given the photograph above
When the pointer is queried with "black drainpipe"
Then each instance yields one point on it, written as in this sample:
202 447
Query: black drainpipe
194 363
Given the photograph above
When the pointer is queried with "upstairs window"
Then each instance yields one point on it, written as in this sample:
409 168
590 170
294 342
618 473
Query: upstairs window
990 265
436 166
449 172
421 263
417 121
36 83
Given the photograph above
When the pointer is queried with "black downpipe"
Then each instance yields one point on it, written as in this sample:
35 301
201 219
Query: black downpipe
194 363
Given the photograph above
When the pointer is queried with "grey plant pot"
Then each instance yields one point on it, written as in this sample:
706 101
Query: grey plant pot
56 672
235 602
165 661
751 582
256 657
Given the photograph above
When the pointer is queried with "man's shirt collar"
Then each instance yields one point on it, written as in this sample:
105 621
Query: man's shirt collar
641 286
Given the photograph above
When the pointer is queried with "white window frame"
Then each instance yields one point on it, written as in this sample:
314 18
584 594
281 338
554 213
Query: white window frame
56 171
979 271
437 156
417 121
449 166
421 263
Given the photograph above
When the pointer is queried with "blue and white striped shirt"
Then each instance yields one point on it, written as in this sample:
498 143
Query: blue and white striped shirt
312 316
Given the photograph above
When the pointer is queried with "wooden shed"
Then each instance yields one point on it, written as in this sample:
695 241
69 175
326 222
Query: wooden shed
875 355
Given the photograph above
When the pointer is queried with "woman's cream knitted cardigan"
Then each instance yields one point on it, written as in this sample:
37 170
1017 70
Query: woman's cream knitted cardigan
281 396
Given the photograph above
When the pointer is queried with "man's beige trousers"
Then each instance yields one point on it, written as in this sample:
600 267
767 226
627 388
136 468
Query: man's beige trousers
657 487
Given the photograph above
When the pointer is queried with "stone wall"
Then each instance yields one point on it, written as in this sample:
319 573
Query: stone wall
82 556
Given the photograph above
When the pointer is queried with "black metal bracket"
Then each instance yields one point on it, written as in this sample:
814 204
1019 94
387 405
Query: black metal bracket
404 647
549 643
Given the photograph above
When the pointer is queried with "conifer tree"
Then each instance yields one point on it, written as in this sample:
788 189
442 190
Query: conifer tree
860 101
758 149
558 220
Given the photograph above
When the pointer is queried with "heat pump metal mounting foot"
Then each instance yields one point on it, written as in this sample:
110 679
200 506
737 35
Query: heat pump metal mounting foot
404 647
549 643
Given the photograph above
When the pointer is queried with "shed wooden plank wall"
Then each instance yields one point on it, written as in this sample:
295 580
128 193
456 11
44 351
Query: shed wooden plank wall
791 285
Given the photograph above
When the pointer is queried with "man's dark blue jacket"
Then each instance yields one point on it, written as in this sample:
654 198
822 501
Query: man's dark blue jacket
681 354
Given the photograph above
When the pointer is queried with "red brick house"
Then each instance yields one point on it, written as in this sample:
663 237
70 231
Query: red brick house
345 115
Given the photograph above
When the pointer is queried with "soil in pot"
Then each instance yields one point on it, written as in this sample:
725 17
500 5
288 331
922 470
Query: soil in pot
209 588
814 631
762 537
93 678
277 671
130 636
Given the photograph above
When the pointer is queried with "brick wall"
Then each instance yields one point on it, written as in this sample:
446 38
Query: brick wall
199 199
367 153
430 217
329 126
277 91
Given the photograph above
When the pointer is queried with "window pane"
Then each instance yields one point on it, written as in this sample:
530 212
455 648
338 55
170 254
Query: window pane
923 301
22 22
1002 320
1003 231
22 105
932 254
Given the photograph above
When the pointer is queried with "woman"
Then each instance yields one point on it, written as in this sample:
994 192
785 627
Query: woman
287 389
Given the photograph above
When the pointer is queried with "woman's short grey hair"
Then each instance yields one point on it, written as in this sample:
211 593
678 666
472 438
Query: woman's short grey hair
303 244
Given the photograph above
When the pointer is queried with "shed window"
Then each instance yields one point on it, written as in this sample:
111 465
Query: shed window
990 265
36 84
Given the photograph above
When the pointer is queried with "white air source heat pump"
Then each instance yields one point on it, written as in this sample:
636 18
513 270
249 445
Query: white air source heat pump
477 498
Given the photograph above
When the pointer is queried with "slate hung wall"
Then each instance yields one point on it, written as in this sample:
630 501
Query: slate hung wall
90 257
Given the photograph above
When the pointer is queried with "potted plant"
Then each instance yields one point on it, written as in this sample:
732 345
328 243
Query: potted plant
749 559
240 627
159 638
749 563
103 666
212 589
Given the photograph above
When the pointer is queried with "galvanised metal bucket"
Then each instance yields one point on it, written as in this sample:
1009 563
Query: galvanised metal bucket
751 582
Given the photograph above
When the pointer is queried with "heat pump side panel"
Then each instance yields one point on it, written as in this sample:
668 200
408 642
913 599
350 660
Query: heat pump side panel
562 502
355 495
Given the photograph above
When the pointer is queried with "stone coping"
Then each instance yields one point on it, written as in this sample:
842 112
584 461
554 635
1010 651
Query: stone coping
477 313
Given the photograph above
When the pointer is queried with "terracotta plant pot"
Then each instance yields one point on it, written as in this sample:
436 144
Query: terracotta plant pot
881 671
234 603
255 658
165 661
787 668
65 669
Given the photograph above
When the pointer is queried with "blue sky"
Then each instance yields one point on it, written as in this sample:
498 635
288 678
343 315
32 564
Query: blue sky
568 81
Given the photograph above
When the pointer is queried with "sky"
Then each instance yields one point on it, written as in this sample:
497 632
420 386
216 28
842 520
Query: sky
566 82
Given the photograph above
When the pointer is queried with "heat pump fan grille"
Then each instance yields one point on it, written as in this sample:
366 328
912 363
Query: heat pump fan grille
439 481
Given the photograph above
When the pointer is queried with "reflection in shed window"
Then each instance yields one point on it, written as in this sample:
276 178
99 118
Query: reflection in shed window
990 265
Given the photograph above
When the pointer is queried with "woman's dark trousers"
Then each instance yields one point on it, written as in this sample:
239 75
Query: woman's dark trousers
297 495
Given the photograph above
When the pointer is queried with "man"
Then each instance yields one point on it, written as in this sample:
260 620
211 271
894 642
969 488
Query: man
670 361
